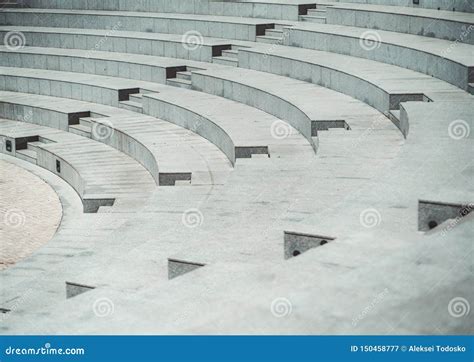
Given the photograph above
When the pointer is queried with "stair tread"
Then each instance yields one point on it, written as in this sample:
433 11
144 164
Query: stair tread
80 127
179 80
268 37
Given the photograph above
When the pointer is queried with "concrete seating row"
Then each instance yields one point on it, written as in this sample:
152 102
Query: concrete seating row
257 137
382 86
192 26
454 26
453 63
98 173
285 10
171 154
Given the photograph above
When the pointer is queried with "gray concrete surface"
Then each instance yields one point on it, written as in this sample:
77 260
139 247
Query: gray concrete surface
393 153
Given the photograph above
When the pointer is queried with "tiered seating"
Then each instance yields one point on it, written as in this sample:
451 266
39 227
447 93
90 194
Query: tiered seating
171 154
288 132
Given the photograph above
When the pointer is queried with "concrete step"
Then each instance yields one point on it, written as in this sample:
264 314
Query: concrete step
313 19
183 75
9 4
226 61
317 12
180 83
269 39
275 33
27 155
131 106
471 88
81 130
231 54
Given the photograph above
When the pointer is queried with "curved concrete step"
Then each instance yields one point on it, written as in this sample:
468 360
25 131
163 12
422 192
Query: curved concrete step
98 173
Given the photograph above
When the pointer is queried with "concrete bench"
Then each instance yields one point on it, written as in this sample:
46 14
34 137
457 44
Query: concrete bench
168 152
454 26
98 173
236 129
192 26
453 63
92 40
285 10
